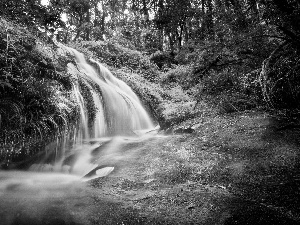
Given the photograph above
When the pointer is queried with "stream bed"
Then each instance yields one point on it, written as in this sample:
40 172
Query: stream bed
155 180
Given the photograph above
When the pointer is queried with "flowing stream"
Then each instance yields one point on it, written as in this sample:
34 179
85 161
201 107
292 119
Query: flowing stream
117 110
119 118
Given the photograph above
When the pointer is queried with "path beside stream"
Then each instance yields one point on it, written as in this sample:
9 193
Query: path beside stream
238 169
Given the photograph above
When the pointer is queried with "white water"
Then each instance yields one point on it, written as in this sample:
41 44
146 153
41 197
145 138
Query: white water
60 197
119 111
97 147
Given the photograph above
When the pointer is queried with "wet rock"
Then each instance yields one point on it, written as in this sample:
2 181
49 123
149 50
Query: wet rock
184 130
191 206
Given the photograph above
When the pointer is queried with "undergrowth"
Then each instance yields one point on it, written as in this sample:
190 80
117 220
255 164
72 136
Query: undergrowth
36 93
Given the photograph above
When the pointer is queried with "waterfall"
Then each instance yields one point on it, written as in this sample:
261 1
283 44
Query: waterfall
118 109
117 112
111 118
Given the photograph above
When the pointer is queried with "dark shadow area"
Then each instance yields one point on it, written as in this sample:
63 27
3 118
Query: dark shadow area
283 130
249 213
270 177
263 174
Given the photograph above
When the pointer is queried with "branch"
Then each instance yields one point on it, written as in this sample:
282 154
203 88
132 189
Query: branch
263 77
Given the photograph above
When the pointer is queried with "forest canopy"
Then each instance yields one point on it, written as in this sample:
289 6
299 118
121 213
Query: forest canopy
250 39
160 24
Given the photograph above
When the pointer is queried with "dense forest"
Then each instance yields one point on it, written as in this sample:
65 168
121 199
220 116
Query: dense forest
235 55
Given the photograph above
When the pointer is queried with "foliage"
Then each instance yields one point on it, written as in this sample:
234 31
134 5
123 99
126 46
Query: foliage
162 59
279 75
229 91
285 16
280 78
31 13
36 101
176 112
179 75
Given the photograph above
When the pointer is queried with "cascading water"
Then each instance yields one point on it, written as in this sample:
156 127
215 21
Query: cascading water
111 116
117 111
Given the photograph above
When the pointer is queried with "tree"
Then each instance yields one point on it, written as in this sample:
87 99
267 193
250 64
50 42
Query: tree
280 71
31 13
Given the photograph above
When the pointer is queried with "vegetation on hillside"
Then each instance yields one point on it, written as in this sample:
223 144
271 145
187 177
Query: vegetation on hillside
177 56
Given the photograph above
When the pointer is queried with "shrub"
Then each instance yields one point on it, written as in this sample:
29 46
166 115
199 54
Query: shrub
176 112
179 75
229 91
280 77
36 101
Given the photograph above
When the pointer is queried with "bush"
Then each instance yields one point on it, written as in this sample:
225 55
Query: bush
280 77
179 75
231 92
36 101
188 54
176 112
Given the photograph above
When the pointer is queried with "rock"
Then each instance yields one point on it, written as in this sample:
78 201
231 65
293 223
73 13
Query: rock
184 130
191 206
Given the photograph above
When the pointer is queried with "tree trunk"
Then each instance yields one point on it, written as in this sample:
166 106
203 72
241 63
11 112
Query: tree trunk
209 18
145 11
161 31
160 39
88 28
78 28
171 43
